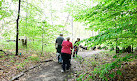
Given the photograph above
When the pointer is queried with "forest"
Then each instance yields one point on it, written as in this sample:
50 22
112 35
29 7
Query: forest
107 48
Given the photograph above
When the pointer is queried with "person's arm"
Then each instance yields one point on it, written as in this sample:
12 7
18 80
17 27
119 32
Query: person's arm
56 44
75 43
62 43
71 46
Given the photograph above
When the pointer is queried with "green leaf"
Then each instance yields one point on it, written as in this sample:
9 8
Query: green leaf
111 75
0 4
106 78
119 72
115 56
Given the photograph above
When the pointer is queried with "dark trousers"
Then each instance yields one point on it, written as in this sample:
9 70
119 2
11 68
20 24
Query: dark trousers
59 51
59 48
66 61
75 52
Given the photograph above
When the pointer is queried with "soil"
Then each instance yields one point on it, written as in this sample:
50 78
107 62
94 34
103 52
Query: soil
50 71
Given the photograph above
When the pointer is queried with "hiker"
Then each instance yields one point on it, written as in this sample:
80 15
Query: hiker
66 54
76 47
58 46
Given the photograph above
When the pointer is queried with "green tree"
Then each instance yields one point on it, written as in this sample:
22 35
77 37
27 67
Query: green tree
115 19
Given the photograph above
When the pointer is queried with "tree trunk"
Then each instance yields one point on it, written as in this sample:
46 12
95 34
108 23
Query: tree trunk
128 49
123 50
132 48
17 21
117 49
42 42
22 42
72 27
26 23
25 43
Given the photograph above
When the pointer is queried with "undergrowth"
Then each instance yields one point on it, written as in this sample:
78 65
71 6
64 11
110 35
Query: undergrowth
105 71
11 65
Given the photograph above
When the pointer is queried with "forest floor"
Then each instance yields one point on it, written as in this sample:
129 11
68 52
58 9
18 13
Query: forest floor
51 71
91 59
11 65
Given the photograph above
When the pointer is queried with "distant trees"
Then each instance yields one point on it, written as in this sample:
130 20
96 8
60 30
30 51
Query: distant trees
32 26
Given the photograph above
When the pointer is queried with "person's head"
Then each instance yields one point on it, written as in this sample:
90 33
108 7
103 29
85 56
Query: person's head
78 39
61 34
68 38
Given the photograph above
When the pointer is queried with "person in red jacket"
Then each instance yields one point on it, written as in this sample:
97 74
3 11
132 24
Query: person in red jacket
66 54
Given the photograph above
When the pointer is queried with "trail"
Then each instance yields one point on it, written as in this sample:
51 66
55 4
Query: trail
51 71
88 53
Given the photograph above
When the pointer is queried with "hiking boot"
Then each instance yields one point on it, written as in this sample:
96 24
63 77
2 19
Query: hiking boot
60 62
67 70
62 71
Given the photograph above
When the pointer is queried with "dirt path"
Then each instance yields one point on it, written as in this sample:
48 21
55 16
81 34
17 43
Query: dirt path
51 71
88 53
